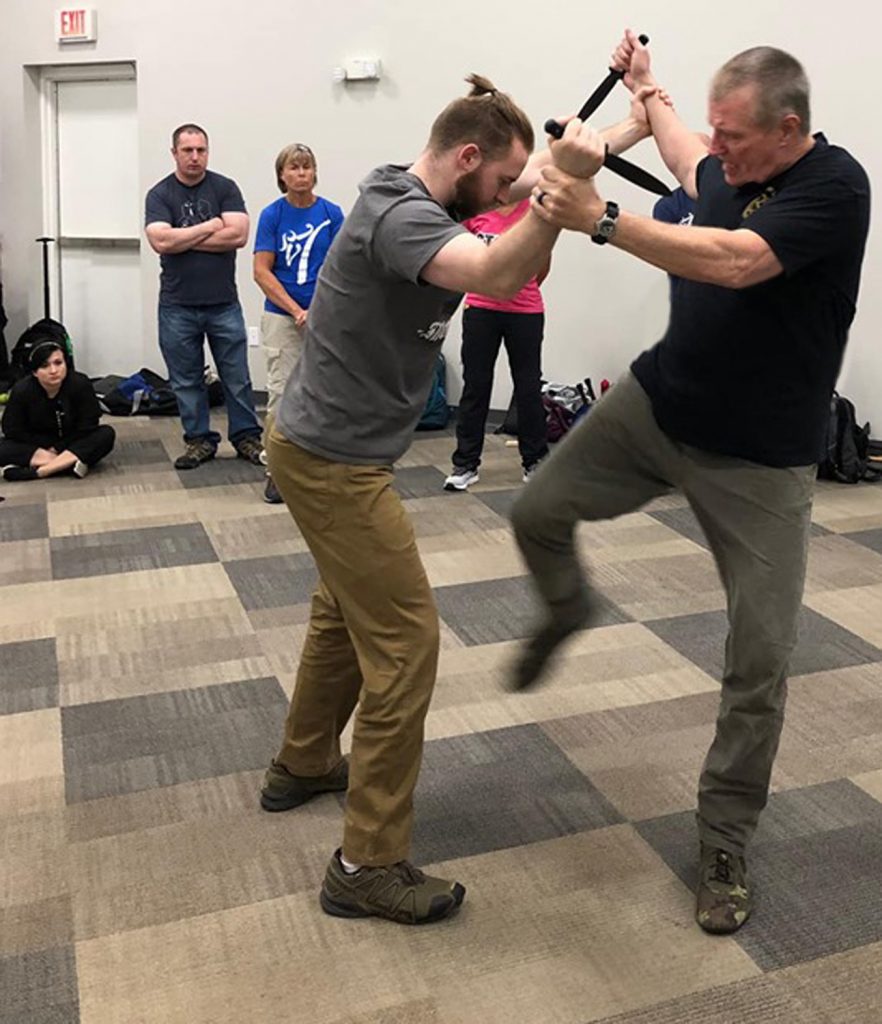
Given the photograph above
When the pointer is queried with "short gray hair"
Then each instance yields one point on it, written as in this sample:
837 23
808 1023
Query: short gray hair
782 86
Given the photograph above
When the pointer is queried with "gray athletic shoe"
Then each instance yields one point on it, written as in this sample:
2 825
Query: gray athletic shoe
461 479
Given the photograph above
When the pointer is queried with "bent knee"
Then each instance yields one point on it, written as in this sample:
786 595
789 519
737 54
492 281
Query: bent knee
527 511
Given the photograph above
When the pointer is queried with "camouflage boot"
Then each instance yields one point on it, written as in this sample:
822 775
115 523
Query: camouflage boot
723 900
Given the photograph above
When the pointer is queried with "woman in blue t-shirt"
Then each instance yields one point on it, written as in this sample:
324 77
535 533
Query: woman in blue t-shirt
294 234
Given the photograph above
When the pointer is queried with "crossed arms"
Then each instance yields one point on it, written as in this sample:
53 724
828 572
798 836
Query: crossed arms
220 234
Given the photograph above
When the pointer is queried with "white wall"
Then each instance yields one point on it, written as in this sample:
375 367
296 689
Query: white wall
259 76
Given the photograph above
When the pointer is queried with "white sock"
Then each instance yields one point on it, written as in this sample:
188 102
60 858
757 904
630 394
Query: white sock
350 869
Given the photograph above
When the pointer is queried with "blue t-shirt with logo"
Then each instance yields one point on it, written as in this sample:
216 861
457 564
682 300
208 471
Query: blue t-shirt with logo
300 239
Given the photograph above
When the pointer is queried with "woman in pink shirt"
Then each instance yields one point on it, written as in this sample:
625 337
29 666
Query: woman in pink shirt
519 324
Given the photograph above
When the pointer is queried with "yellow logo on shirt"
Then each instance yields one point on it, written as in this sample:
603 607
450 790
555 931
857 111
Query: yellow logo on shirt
757 202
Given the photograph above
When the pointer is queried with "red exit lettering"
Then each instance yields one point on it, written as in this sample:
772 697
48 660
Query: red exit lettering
73 23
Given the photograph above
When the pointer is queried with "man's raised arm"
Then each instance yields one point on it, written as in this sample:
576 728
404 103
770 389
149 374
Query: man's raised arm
619 137
680 148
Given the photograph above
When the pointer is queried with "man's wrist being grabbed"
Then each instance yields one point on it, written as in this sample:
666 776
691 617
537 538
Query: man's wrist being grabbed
604 227
596 208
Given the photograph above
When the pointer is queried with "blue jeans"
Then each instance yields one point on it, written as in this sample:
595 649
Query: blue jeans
182 330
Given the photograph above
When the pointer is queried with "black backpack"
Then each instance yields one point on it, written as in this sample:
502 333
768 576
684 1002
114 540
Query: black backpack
46 329
844 455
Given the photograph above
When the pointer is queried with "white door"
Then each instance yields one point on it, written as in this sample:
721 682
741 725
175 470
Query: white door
96 214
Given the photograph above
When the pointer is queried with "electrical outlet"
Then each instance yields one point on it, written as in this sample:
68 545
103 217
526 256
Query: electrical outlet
254 337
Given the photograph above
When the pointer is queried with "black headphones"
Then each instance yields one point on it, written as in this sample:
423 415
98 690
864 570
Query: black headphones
41 352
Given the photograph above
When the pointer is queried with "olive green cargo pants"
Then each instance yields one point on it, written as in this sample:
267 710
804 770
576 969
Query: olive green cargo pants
756 519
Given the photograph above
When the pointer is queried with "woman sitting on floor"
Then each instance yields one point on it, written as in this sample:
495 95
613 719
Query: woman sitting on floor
51 423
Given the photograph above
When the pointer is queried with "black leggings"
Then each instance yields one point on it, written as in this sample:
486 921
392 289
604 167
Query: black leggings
482 332
89 448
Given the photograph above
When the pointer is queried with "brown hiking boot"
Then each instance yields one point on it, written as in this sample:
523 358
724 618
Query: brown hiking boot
282 790
251 449
196 452
722 899
399 892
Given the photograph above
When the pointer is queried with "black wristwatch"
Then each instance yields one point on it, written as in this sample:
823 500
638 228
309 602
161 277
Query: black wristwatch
605 227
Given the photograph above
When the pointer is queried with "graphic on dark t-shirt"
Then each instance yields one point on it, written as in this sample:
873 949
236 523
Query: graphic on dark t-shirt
195 278
197 212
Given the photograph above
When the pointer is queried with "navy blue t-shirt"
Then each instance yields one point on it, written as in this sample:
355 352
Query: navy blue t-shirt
677 208
195 278
749 372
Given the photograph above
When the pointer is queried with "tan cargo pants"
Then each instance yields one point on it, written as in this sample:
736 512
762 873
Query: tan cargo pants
372 641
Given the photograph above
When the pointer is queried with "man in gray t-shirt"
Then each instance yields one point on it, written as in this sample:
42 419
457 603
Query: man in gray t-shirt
385 295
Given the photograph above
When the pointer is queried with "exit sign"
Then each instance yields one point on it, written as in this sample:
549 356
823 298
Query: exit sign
76 25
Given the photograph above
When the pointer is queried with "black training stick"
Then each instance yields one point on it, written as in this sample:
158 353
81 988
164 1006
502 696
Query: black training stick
636 175
618 165
603 90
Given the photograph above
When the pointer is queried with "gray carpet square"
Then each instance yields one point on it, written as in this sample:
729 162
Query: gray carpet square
134 452
763 1000
39 988
497 789
868 538
815 868
822 644
503 609
124 746
222 471
684 522
419 481
273 582
23 522
28 676
500 501
117 551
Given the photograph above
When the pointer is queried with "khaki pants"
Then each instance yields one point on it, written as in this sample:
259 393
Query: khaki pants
372 640
282 342
756 519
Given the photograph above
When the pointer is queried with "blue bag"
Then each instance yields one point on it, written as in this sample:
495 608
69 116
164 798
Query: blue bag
437 412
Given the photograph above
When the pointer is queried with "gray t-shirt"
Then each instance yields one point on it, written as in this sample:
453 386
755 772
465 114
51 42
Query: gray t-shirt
374 327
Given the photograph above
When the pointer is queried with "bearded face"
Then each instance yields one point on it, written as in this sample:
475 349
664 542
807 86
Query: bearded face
472 196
